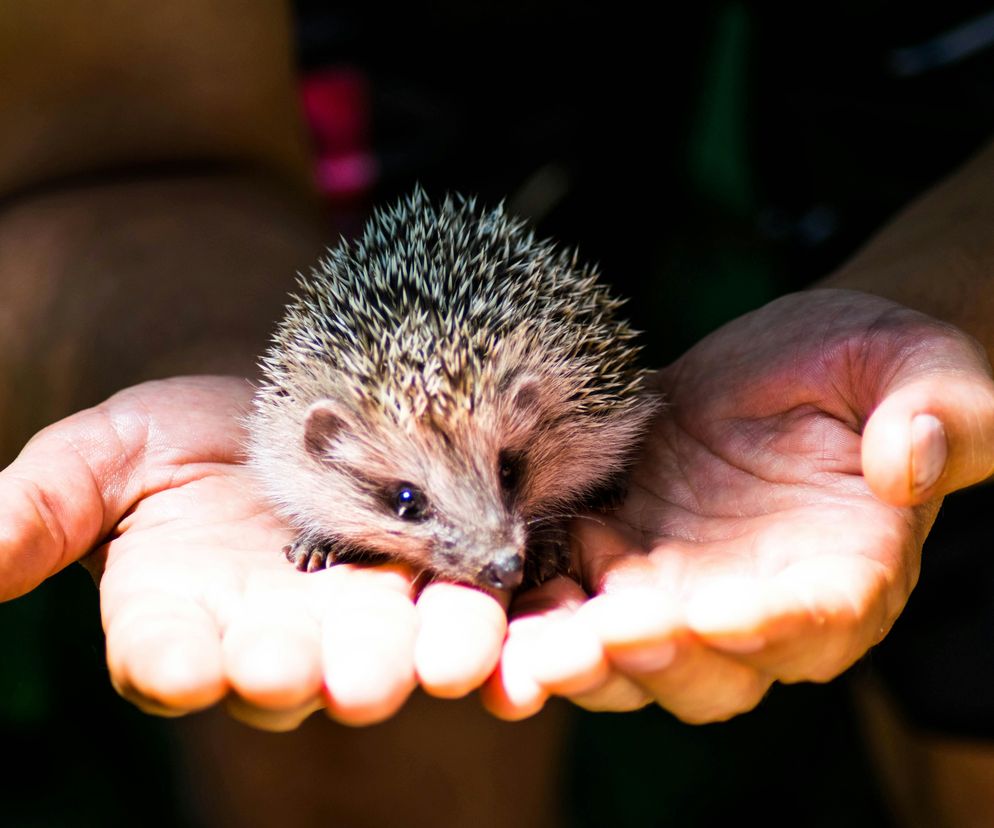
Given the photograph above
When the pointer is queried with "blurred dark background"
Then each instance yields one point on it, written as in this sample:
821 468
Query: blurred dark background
708 159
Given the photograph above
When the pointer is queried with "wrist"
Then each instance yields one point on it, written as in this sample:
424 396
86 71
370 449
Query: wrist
111 283
937 254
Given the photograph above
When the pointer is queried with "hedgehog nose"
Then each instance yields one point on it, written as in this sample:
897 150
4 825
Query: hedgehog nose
504 572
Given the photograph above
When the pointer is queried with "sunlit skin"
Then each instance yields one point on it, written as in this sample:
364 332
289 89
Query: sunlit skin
750 549
764 537
198 602
167 211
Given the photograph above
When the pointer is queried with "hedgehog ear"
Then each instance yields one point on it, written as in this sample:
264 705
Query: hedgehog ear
526 393
529 396
323 423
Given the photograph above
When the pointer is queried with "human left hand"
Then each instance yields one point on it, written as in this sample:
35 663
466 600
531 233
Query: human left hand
774 524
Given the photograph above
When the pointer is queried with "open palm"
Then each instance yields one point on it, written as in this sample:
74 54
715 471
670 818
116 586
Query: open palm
197 601
773 528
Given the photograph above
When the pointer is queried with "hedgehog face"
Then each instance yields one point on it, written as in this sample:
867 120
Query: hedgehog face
447 390
446 502
482 498
489 552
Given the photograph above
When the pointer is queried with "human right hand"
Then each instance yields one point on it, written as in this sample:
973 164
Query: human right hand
198 602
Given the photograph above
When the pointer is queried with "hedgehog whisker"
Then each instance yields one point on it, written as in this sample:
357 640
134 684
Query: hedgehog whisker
567 516
429 333
548 518
592 519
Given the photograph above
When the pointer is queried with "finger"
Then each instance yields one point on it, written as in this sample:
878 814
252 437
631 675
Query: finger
74 480
810 623
565 657
646 640
273 645
551 650
931 437
512 693
643 634
699 685
460 637
608 555
275 721
52 514
272 658
368 654
619 694
164 654
515 691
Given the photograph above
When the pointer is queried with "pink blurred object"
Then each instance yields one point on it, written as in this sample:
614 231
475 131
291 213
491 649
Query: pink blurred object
337 108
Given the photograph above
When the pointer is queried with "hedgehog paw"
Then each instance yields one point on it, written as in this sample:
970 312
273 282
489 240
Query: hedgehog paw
548 556
309 554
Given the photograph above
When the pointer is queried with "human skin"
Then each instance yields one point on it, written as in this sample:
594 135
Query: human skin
157 203
702 634
751 549
664 643
756 544
197 601
141 182
57 516
709 584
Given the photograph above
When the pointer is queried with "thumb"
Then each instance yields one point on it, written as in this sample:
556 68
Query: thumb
73 482
59 498
933 435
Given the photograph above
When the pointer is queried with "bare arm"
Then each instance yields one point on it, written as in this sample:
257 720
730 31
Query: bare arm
154 196
863 413
155 206
937 254
111 86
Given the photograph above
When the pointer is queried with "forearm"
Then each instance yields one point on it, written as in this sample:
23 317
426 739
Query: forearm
937 255
111 283
155 196
109 85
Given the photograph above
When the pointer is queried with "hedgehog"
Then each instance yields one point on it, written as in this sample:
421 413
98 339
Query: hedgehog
447 391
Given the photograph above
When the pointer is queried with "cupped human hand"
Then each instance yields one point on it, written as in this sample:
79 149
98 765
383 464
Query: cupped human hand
198 603
775 519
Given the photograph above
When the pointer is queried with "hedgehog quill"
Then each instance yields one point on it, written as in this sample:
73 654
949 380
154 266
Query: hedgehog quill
447 391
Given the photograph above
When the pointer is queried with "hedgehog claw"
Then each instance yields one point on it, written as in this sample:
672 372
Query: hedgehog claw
310 555
547 557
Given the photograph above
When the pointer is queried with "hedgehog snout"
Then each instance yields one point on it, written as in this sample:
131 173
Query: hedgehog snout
505 571
490 556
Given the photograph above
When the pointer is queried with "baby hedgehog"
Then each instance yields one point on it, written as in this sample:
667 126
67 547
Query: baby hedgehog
447 391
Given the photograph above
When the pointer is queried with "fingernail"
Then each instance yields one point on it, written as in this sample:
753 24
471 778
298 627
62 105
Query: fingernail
929 451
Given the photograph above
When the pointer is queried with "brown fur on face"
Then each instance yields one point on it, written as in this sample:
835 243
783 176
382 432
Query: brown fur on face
450 352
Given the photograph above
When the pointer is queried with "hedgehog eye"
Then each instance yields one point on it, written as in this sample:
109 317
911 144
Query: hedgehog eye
409 502
509 467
